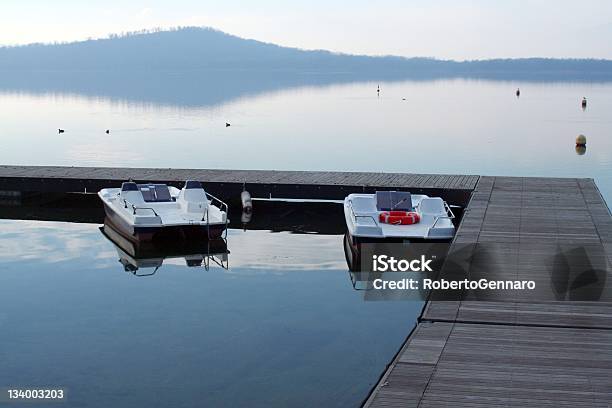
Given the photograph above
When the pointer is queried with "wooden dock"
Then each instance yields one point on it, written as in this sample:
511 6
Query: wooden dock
228 184
552 348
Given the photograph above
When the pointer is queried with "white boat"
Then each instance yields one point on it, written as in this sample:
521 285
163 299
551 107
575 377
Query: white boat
150 211
394 216
398 215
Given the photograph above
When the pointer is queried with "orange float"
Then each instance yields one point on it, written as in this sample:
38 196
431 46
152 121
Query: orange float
399 217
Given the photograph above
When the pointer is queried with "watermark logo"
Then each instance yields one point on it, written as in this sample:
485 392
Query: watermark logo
386 263
486 272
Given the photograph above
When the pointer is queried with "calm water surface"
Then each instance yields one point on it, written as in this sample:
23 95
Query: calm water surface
282 326
444 126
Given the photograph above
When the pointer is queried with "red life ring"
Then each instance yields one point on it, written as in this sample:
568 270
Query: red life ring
399 217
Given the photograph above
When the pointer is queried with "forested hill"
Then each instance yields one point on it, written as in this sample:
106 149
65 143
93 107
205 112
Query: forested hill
196 48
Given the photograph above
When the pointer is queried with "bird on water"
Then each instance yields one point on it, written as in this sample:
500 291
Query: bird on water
107 131
227 124
584 102
60 130
518 92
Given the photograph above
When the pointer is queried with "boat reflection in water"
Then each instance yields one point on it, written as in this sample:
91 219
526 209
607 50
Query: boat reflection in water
150 255
363 280
383 283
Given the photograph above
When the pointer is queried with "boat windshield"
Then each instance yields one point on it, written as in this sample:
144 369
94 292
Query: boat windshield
393 200
155 193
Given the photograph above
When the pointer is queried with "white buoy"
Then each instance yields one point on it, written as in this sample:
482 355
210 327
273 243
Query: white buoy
247 203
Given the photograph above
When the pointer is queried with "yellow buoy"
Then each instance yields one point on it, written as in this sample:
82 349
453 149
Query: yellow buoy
581 140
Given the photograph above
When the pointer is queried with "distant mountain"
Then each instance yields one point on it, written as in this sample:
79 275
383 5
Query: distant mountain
194 48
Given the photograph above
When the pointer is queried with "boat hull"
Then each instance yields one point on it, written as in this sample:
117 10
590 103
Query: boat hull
155 233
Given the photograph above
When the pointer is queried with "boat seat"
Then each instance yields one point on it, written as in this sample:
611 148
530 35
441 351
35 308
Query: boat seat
432 206
131 193
363 205
193 192
193 197
393 201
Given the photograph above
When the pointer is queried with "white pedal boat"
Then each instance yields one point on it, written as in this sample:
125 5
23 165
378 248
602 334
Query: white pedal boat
151 211
365 217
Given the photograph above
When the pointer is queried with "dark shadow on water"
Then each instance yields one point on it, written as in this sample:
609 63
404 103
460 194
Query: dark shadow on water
325 218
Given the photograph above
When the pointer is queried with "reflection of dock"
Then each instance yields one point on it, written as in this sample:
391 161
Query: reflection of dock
550 348
326 218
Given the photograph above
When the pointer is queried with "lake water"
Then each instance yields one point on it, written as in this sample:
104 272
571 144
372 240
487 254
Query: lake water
442 126
283 326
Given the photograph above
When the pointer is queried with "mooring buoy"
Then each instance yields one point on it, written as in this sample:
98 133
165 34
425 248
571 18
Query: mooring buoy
584 103
580 150
581 140
518 92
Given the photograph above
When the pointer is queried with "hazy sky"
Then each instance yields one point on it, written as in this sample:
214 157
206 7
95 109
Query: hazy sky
458 29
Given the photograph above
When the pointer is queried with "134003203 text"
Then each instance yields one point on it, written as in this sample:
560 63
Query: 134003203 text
34 393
